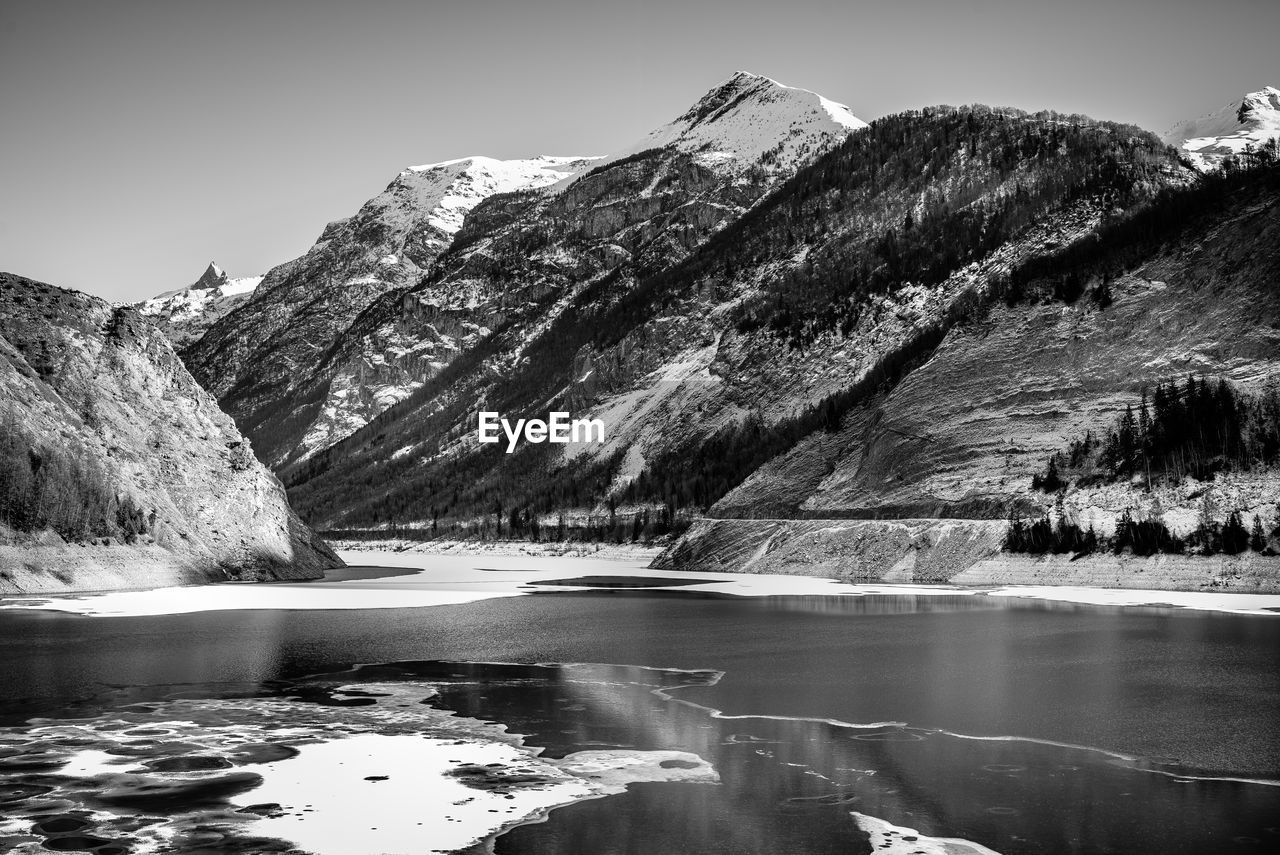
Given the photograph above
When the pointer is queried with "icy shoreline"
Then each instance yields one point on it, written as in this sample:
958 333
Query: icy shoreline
456 580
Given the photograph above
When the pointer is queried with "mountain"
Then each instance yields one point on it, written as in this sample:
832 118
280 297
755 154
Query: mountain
1208 140
186 314
522 258
253 356
781 314
716 358
116 468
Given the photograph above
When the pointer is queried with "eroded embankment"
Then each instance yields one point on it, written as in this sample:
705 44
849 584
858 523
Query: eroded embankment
962 552
60 569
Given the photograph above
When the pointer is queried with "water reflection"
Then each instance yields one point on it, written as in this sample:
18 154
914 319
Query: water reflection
788 785
58 665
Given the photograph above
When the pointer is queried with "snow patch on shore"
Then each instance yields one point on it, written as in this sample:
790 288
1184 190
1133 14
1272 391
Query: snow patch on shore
445 580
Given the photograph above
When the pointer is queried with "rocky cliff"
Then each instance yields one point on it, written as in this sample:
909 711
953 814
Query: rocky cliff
118 470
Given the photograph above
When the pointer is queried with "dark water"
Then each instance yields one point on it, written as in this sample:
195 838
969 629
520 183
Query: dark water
1185 694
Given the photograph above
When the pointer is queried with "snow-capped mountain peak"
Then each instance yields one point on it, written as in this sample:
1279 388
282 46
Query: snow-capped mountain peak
212 277
747 120
1252 120
744 86
185 313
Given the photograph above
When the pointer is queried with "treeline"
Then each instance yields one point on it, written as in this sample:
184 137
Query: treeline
1143 537
1194 429
44 487
642 526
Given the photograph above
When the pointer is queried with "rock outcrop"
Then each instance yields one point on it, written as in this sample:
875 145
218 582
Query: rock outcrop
923 551
118 470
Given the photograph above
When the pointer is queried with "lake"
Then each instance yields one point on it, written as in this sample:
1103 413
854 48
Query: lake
633 711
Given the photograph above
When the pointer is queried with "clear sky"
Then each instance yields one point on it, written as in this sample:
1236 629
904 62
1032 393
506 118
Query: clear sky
143 139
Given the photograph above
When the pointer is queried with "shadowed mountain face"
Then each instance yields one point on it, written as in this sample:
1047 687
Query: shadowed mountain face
110 445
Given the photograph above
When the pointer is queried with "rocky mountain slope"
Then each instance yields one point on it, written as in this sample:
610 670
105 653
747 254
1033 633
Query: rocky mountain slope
966 433
116 468
521 259
186 314
253 357
1212 138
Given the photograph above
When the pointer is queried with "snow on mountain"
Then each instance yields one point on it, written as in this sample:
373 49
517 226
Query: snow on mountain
266 346
746 120
185 313
446 191
1226 131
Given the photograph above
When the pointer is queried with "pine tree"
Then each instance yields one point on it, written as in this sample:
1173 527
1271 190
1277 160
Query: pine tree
1235 537
1257 539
